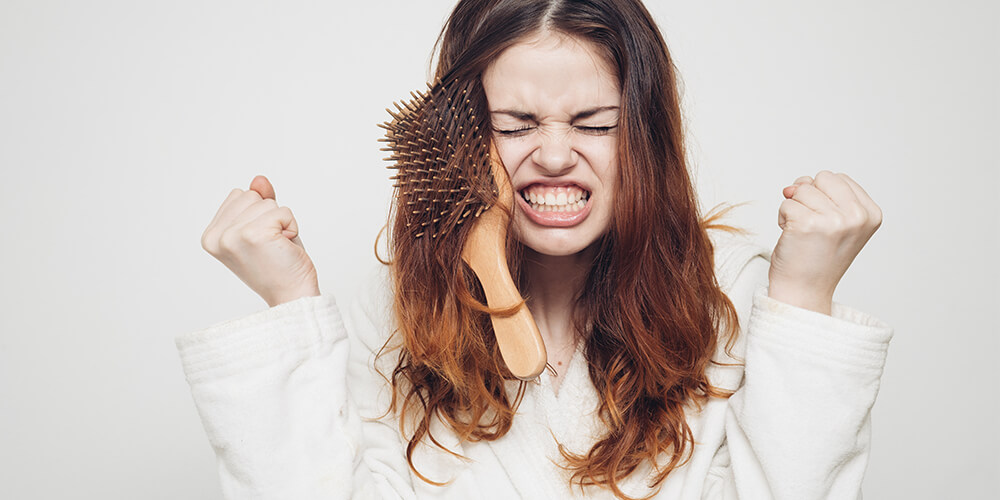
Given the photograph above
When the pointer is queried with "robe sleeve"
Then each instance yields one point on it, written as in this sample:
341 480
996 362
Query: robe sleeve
284 394
799 425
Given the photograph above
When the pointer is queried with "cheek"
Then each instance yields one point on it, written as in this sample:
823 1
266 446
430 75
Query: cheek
603 159
512 152
609 177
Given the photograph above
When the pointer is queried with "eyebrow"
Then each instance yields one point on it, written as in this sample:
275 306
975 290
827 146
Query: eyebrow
521 115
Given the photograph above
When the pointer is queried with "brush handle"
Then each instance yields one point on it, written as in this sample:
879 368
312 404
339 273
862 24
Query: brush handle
485 251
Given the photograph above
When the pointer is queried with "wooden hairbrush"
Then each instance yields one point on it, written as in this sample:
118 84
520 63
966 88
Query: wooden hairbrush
448 171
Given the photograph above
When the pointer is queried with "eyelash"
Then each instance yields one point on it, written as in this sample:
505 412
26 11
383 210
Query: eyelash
515 132
590 130
598 130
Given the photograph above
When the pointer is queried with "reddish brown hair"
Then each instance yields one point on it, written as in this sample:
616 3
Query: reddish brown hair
651 308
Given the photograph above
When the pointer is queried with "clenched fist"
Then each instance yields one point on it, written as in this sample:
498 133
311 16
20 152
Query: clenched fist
259 242
825 222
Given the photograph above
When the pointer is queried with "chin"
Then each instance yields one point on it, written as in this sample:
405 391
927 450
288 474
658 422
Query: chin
555 245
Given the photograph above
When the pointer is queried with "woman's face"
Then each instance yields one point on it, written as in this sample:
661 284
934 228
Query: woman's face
554 104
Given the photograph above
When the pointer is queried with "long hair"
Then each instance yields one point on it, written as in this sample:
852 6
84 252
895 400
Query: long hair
651 310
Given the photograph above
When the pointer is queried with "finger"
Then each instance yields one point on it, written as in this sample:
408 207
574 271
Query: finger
270 219
232 195
289 226
834 187
262 186
789 191
866 201
791 211
252 212
231 209
813 199
856 188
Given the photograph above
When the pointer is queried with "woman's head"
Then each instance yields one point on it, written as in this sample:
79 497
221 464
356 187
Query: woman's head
583 98
544 62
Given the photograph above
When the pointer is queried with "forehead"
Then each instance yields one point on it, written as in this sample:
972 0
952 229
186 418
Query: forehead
551 75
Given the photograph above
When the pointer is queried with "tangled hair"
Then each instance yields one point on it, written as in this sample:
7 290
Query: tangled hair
651 311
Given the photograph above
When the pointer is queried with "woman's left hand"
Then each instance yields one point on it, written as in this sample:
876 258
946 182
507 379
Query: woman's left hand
825 222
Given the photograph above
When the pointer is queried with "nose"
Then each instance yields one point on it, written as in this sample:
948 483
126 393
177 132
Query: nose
555 155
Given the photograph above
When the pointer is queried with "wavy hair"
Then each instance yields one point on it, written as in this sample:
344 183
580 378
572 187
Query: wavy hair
651 310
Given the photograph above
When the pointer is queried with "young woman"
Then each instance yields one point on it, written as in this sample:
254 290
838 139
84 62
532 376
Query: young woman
687 364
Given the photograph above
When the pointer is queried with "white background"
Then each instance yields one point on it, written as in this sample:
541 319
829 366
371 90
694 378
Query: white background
123 125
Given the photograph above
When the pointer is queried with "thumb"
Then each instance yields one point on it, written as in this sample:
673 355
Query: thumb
789 191
263 187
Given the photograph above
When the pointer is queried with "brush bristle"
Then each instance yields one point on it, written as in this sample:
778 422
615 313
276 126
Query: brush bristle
440 148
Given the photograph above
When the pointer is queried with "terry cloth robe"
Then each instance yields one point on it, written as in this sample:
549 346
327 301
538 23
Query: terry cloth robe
294 409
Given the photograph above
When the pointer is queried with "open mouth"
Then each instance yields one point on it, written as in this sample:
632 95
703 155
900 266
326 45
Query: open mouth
555 206
555 198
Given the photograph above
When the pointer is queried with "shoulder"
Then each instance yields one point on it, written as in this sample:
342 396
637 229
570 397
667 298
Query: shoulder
368 310
734 253
741 267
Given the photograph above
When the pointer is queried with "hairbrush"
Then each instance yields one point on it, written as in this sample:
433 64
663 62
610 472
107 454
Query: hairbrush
448 172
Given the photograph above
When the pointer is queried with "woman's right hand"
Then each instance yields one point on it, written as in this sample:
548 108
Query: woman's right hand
259 242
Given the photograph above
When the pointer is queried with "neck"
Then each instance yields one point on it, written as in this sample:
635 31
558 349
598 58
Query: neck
553 285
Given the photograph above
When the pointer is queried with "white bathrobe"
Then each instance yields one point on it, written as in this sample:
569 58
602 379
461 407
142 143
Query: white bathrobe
293 407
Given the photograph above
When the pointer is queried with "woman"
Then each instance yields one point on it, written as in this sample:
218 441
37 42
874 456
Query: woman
685 365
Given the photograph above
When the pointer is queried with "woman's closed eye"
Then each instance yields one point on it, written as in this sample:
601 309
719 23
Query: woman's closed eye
514 132
524 129
597 130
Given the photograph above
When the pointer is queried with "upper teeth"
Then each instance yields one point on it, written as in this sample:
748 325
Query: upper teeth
561 197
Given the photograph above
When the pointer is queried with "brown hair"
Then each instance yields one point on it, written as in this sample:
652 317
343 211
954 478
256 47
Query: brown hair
651 308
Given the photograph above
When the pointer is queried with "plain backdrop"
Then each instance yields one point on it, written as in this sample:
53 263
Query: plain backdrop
123 126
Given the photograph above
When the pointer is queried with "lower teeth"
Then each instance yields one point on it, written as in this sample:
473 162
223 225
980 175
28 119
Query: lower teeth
559 208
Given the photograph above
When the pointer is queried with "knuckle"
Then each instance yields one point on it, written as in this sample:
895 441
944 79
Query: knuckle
252 236
876 219
267 202
785 208
234 194
229 239
858 215
207 243
809 225
836 223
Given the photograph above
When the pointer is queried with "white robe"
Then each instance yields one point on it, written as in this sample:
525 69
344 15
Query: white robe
290 402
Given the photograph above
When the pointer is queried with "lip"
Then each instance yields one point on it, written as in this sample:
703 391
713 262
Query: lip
553 219
521 186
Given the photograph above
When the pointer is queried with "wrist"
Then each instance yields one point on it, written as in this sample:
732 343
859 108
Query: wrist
285 297
804 297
